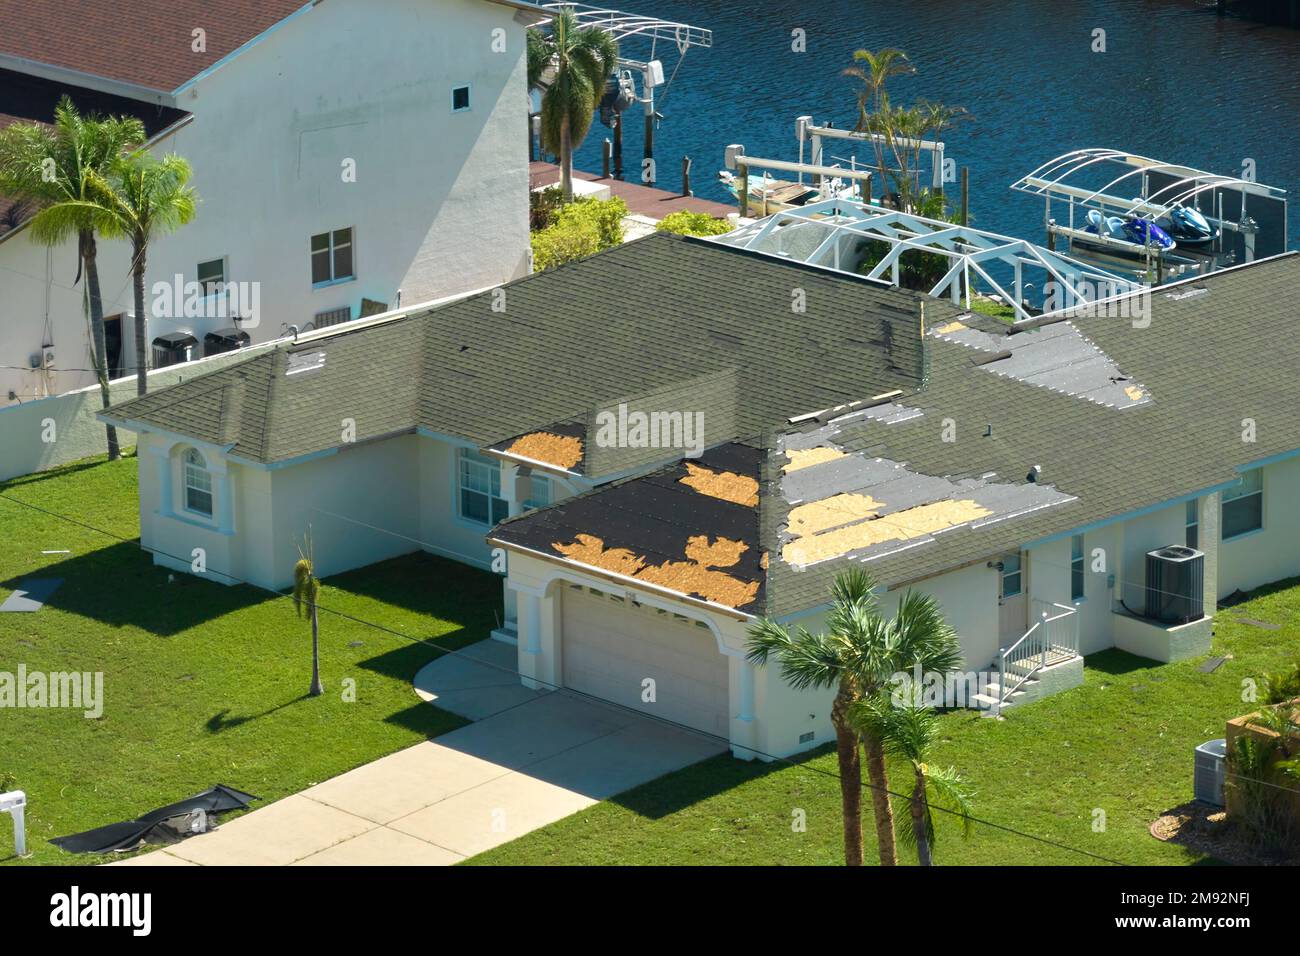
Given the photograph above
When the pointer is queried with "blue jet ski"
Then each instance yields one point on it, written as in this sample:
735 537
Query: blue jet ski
1187 226
1134 231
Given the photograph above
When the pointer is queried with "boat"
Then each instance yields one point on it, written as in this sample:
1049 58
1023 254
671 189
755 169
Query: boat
1132 236
767 195
1187 226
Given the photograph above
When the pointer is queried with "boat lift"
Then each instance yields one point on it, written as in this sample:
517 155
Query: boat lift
627 29
807 130
1255 214
833 232
736 159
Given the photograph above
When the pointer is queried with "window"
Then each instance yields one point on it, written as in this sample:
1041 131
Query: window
331 257
1076 568
198 484
212 275
539 493
1011 580
480 488
1193 523
460 99
1243 505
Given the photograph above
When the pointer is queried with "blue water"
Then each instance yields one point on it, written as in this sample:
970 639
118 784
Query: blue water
1177 83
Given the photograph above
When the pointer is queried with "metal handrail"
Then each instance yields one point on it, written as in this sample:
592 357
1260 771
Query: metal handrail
1040 649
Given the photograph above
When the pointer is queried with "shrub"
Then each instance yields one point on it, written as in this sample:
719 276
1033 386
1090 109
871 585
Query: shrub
542 207
582 228
685 223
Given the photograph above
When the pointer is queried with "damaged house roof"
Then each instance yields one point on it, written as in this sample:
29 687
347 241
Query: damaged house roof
833 435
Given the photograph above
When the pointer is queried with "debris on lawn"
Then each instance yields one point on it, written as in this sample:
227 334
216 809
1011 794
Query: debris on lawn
1205 829
1212 665
169 824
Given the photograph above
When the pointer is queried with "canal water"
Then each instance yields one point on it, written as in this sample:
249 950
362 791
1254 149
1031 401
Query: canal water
1175 82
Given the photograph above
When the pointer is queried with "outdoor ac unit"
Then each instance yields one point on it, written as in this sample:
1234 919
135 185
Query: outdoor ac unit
1209 771
1175 591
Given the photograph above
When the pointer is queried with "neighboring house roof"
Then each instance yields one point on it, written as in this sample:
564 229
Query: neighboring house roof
663 323
30 99
145 44
894 488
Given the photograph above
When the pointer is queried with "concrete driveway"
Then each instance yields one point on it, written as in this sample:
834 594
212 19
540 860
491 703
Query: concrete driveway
529 759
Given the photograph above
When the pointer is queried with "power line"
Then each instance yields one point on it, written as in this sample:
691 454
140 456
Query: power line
866 784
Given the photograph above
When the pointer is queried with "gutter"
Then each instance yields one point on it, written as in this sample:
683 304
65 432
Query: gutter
89 81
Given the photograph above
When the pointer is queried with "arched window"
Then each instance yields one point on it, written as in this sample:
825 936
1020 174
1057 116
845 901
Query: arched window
198 484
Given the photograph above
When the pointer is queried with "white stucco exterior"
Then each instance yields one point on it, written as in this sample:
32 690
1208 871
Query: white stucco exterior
438 205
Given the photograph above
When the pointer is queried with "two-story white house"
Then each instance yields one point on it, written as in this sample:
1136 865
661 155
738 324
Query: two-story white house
350 155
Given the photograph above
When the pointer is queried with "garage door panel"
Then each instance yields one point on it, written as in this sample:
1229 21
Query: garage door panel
610 647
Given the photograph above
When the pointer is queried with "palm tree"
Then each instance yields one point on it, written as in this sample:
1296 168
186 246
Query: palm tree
873 98
56 167
148 197
859 655
909 731
582 59
306 591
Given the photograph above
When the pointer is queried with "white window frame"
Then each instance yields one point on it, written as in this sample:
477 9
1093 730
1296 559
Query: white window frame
1019 573
331 250
197 477
467 462
1225 501
1192 523
203 283
469 98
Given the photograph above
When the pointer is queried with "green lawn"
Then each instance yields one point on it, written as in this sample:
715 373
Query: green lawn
203 683
1122 743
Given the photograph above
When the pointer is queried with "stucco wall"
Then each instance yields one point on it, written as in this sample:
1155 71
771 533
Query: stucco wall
438 204
1141 534
1272 553
1050 584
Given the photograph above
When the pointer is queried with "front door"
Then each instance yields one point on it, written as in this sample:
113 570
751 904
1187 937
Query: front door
1013 603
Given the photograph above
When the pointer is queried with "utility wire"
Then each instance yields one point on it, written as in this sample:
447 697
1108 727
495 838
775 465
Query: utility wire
866 785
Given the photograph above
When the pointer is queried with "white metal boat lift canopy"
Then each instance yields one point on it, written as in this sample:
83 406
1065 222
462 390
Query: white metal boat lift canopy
1148 189
829 233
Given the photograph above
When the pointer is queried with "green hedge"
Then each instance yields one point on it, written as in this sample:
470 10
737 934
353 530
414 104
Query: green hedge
694 224
581 228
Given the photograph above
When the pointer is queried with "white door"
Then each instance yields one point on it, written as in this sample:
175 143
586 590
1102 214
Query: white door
1013 602
612 646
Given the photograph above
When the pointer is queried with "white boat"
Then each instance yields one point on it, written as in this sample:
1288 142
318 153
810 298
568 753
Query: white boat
767 195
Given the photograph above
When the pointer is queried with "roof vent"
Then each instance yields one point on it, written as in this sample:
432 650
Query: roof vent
1034 472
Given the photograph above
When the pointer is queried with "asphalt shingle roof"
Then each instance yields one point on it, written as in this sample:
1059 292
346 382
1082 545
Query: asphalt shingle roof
666 322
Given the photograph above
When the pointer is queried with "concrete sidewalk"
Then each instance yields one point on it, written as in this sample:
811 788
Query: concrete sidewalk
530 759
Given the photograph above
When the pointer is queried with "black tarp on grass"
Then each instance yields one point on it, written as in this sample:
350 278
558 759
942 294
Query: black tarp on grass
158 826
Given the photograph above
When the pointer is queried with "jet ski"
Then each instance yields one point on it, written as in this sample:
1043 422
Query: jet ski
1187 226
1134 231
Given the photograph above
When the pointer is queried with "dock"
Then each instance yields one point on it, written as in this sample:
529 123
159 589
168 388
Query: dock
641 200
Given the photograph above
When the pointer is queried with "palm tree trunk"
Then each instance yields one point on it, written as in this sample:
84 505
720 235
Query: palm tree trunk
884 813
918 820
99 345
316 687
566 160
141 325
846 749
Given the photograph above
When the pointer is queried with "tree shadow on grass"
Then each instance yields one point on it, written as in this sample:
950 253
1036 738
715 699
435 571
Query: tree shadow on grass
219 721
120 586
675 791
427 584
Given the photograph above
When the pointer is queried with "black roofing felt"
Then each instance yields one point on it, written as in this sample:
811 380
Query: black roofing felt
653 516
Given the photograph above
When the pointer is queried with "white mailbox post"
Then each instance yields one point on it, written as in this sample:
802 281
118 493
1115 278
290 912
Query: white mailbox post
15 803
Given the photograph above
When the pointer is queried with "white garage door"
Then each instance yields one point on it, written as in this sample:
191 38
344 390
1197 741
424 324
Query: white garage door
612 645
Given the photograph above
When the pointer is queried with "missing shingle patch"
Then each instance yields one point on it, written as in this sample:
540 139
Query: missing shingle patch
806 457
697 576
818 516
949 328
902 525
725 485
562 451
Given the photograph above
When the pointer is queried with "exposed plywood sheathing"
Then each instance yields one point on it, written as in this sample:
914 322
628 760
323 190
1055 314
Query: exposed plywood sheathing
818 516
949 328
806 457
697 576
900 526
1133 392
562 451
725 485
